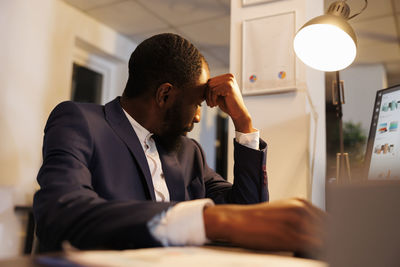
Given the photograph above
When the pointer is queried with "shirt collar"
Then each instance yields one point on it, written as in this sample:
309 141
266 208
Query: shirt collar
141 132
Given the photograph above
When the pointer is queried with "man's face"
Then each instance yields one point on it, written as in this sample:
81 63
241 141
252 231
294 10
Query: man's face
185 112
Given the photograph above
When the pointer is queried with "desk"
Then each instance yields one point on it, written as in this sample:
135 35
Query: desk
23 261
206 256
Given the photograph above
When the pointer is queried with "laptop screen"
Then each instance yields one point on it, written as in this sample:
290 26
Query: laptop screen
382 160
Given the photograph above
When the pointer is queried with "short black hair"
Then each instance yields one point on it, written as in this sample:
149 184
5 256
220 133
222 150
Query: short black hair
160 59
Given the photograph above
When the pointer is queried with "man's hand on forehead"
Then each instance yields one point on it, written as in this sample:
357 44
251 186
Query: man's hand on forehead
223 91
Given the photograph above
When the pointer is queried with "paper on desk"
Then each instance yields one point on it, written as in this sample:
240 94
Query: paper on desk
185 256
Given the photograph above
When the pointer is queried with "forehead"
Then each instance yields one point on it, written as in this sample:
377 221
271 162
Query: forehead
198 88
201 82
205 73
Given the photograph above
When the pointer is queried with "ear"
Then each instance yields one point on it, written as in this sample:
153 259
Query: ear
163 94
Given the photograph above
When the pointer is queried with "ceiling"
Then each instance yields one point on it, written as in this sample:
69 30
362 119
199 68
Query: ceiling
207 24
377 30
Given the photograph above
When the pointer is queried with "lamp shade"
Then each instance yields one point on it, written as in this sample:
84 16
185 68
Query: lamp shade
326 43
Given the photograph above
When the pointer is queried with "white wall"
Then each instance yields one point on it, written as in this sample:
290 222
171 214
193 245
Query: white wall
206 133
38 41
360 85
37 47
10 226
287 122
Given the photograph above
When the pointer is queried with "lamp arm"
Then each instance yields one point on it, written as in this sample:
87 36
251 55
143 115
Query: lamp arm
365 6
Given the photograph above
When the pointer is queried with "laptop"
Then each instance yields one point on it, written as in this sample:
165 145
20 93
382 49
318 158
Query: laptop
364 229
382 159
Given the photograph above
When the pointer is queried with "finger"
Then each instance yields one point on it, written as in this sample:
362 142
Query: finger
211 97
310 245
315 213
215 96
207 94
315 221
216 93
318 215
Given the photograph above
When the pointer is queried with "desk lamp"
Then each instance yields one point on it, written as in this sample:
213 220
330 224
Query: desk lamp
328 43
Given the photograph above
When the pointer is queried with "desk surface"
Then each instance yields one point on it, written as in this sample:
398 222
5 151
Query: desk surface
171 256
56 260
23 261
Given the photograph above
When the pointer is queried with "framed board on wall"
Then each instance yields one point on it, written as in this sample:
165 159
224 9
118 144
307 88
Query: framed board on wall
268 59
255 2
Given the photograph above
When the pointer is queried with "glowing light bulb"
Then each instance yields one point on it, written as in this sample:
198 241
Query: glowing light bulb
325 47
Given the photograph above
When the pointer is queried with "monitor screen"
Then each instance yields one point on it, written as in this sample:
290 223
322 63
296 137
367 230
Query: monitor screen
383 148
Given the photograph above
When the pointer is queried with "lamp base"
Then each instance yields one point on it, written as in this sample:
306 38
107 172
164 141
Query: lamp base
343 173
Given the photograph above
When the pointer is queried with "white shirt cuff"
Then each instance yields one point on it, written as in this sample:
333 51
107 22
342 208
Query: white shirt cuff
182 224
250 140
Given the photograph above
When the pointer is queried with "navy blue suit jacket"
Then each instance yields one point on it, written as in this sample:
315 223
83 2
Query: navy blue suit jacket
96 190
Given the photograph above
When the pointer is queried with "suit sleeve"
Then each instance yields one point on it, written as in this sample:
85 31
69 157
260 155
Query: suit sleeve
67 208
250 178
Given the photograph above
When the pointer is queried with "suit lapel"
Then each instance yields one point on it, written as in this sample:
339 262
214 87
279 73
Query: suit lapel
173 174
118 121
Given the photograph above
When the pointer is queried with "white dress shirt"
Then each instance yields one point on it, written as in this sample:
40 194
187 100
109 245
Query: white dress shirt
153 160
182 224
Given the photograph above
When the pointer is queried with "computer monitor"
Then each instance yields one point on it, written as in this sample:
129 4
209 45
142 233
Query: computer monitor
382 159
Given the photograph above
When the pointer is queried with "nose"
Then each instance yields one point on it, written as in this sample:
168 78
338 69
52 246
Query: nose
197 115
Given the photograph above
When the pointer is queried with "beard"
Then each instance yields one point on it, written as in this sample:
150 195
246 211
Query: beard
171 137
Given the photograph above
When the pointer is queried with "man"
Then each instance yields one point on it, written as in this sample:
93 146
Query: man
124 175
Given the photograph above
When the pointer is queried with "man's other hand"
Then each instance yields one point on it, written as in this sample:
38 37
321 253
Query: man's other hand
291 225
